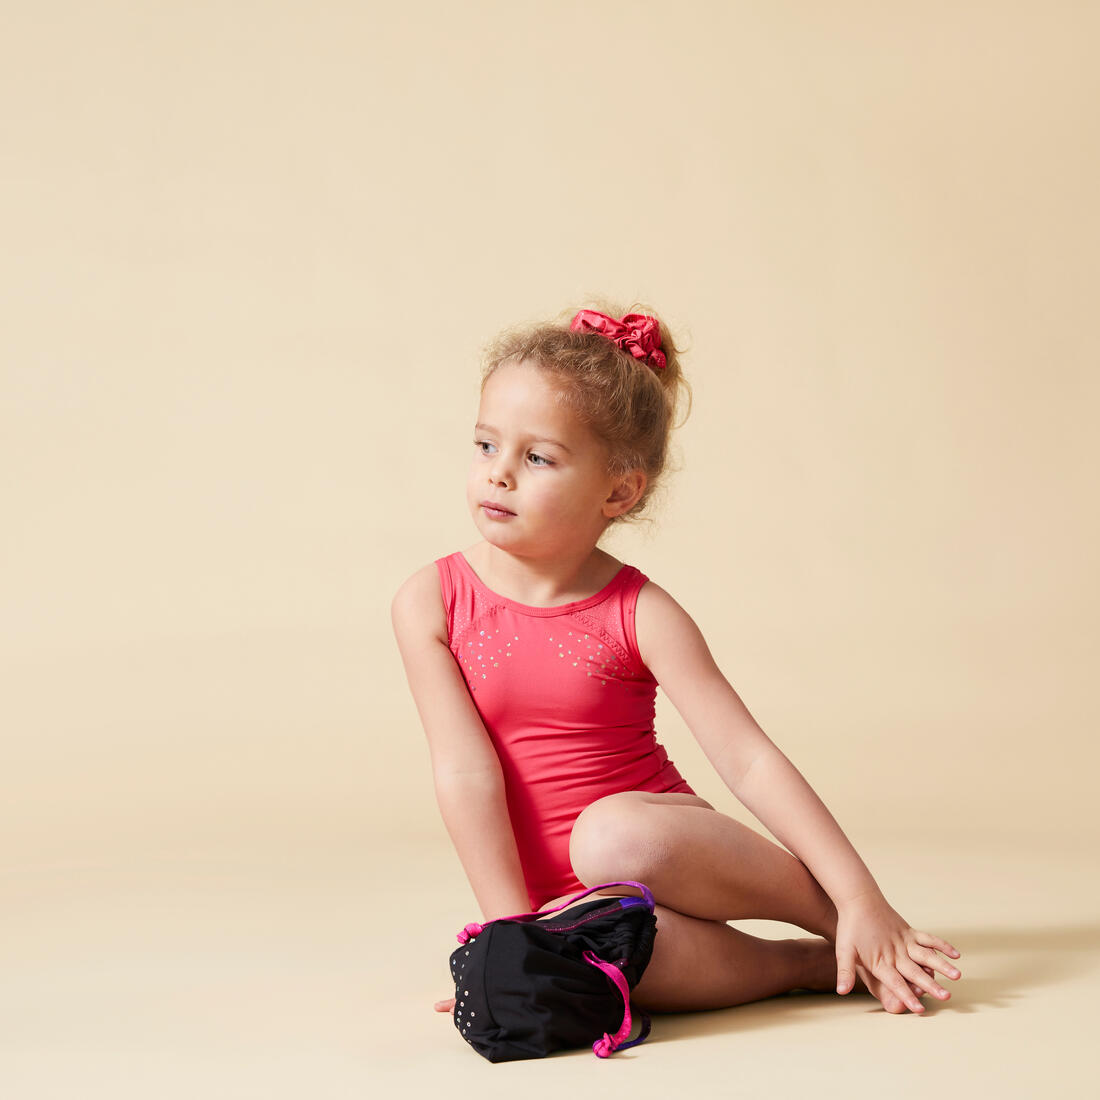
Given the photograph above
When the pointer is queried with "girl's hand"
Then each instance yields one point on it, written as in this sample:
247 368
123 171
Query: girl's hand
446 1006
894 961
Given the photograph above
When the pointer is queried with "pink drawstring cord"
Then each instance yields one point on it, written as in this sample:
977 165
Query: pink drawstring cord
604 1047
471 930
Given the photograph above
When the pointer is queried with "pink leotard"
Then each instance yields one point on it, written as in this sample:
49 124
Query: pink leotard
568 702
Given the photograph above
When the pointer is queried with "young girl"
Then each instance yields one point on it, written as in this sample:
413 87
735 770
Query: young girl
534 658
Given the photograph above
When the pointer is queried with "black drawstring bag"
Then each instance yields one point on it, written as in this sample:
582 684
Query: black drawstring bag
531 984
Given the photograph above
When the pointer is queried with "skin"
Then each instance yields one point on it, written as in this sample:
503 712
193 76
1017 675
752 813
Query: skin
545 474
535 459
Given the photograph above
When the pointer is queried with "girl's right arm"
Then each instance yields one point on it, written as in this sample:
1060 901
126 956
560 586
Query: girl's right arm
469 782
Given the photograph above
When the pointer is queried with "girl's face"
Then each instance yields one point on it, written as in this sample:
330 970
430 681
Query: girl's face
538 484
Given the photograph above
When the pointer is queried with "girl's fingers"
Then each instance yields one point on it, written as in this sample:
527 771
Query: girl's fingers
898 985
916 988
881 993
925 939
445 1006
845 969
930 961
919 976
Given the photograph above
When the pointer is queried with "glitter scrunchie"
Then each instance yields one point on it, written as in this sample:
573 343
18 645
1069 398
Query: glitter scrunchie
636 334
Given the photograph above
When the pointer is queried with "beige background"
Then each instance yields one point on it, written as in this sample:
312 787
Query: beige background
250 255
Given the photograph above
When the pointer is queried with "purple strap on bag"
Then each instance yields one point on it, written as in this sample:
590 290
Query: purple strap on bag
475 929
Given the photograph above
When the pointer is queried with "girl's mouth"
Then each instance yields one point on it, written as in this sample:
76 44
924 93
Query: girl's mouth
495 511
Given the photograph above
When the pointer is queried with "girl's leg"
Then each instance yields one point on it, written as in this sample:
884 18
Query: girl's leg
697 861
699 964
702 964
704 868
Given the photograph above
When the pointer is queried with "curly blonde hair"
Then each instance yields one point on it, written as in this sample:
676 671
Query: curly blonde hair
630 406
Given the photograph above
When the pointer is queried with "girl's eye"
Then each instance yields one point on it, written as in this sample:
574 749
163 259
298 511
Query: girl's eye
538 460
484 446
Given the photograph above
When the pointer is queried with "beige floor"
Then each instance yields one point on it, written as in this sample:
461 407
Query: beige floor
294 977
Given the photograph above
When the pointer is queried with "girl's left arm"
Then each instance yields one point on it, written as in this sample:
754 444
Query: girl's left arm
871 935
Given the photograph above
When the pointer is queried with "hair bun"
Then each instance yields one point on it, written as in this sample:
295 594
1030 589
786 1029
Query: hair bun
637 334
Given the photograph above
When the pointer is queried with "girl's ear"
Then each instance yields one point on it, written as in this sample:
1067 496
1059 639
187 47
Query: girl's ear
625 493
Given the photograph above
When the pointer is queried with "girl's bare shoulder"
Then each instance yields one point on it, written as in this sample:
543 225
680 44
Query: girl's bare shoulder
657 604
417 607
668 637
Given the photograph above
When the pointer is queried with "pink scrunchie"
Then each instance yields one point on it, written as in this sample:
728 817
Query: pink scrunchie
636 334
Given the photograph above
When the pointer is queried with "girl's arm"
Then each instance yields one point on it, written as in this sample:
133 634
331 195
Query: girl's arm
469 783
870 934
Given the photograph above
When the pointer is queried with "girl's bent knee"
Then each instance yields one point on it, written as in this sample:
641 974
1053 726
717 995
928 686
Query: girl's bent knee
612 840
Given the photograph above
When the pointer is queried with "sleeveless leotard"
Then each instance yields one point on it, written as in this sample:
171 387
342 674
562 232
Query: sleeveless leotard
568 702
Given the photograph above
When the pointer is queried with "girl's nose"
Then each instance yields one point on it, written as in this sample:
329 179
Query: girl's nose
499 472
